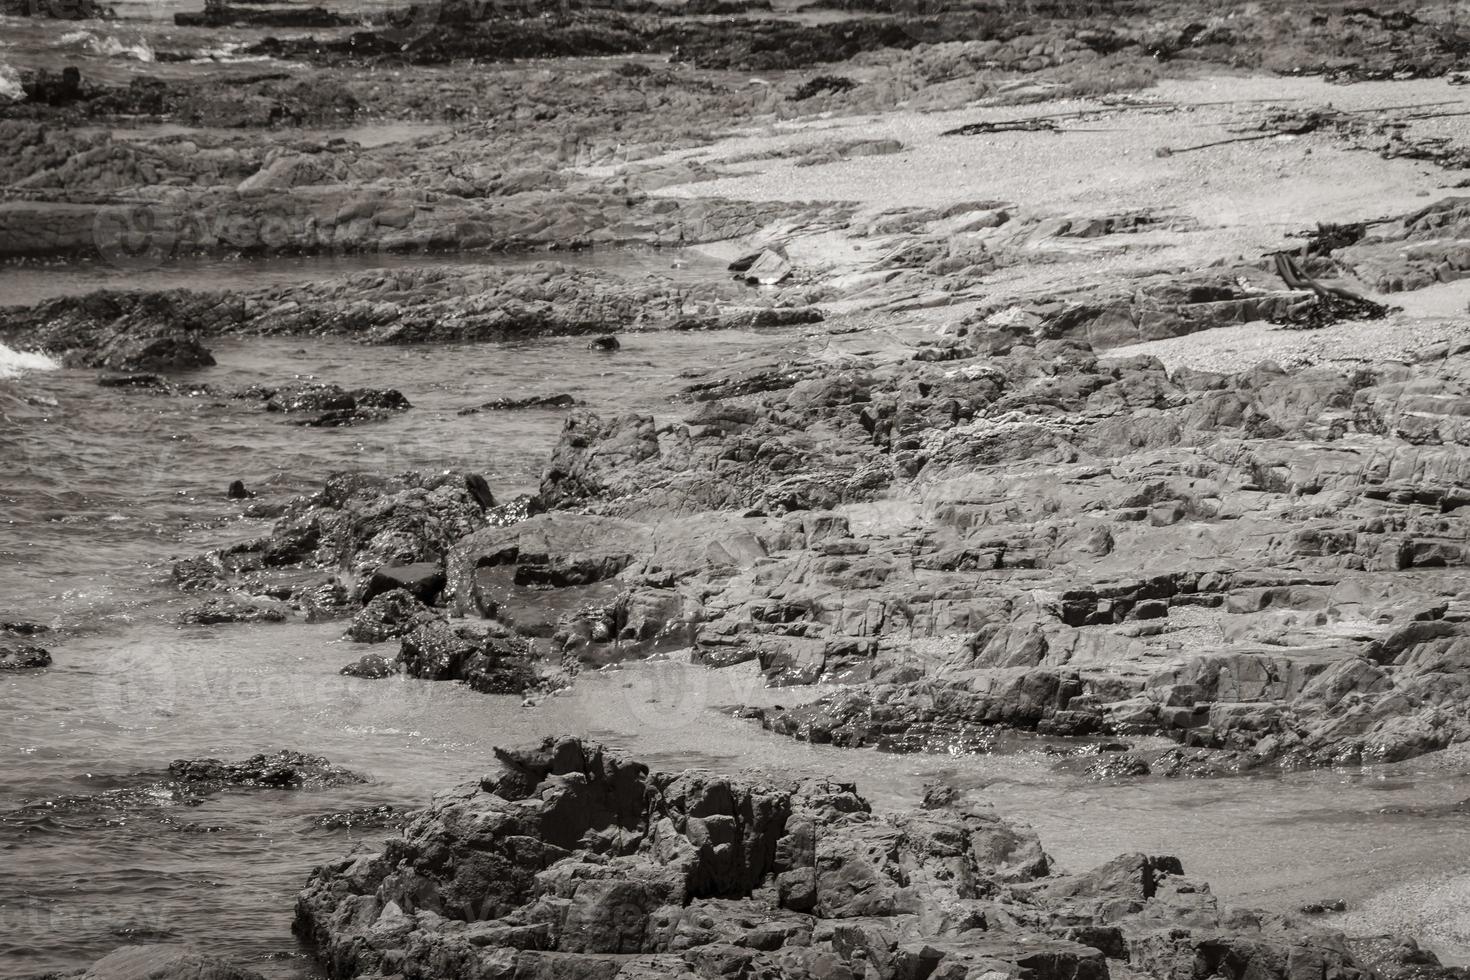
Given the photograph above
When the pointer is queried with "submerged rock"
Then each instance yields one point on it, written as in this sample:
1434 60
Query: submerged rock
370 667
355 525
530 401
327 405
235 609
23 656
165 962
384 817
22 628
285 769
216 13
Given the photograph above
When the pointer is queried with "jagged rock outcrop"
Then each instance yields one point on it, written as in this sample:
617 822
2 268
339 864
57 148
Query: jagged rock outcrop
579 862
363 529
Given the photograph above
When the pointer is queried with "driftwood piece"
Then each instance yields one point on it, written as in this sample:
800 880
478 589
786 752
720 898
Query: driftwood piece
1328 304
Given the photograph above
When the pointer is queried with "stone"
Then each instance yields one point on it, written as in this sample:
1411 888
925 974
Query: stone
422 580
164 962
235 609
23 656
370 667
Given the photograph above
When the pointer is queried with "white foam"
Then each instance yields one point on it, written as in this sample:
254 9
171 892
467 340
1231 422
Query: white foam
14 363
111 47
10 89
107 45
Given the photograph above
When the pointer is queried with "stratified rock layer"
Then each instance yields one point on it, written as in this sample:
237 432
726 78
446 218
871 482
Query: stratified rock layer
1264 566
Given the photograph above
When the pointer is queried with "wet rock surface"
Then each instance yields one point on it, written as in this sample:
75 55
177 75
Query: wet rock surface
234 609
576 860
286 769
165 962
23 656
170 799
1300 532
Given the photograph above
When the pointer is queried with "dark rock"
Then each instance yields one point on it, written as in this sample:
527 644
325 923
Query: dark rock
530 401
132 381
1118 766
387 616
357 522
23 656
1399 958
219 14
235 609
422 580
822 83
283 770
384 817
480 490
1324 906
24 628
370 667
484 661
329 405
159 354
578 862
43 86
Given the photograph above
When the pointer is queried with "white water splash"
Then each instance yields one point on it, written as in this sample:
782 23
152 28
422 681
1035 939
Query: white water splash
10 90
227 51
14 363
108 46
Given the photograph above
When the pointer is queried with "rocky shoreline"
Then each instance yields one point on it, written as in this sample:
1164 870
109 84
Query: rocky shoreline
1012 467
